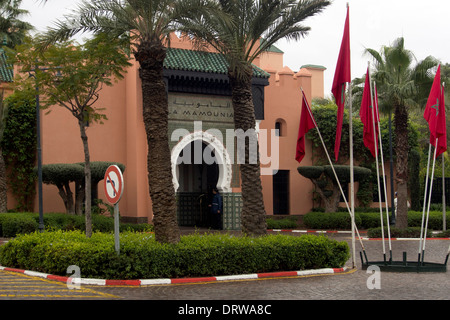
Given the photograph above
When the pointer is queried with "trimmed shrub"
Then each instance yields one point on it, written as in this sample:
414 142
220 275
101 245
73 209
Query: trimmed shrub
12 224
367 220
334 220
343 173
141 257
371 219
285 223
311 172
410 232
61 173
434 221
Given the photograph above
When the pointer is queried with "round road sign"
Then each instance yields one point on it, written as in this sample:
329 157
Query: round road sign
113 183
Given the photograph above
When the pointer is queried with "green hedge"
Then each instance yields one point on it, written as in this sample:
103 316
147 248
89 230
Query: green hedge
367 220
12 224
410 232
285 223
336 220
141 257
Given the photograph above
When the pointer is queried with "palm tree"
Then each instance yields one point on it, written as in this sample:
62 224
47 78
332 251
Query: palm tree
401 86
146 25
256 25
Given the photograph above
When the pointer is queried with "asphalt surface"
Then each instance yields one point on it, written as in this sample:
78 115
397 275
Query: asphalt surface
354 285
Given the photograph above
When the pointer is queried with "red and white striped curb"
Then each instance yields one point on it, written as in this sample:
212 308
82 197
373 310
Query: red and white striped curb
403 239
146 282
349 232
314 231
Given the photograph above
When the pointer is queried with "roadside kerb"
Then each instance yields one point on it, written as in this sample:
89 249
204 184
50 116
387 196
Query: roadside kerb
144 282
314 231
349 232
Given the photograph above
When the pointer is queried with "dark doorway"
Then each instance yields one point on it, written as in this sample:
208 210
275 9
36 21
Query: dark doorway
198 173
281 192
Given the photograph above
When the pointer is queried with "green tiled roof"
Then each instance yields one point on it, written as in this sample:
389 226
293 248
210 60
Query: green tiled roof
313 66
201 61
272 48
6 71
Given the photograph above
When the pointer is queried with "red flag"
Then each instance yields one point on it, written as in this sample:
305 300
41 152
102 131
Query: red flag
366 114
306 123
435 115
342 75
442 141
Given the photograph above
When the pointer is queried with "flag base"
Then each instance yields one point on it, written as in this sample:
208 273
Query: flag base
405 266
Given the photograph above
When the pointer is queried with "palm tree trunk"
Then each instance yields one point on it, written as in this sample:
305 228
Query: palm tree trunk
402 147
150 56
253 216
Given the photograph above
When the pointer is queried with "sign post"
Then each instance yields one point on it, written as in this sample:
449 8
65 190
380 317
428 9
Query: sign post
113 183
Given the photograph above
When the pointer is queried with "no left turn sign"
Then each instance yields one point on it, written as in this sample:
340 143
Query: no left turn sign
113 183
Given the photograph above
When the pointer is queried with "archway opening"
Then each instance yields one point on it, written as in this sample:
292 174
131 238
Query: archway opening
194 174
197 173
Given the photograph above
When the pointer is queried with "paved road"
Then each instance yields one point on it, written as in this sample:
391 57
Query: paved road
15 285
352 285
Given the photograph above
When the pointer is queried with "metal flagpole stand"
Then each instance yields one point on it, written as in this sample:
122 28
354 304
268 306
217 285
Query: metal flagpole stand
419 265
113 184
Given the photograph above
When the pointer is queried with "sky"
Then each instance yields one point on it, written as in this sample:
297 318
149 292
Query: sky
373 23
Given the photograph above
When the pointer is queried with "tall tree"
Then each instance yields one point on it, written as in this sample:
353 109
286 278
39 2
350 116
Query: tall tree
12 33
146 25
12 29
71 77
255 26
3 188
402 84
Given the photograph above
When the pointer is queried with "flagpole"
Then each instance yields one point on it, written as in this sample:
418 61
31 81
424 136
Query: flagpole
444 205
384 184
352 174
376 161
424 201
444 209
339 184
429 202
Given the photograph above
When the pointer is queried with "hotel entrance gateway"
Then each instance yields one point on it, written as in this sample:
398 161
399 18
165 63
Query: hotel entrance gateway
194 178
201 120
198 90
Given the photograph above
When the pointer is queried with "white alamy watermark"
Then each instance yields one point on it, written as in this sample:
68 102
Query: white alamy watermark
74 281
267 140
374 280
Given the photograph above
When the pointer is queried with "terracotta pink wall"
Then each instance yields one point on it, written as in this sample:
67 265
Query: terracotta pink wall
61 142
122 137
283 103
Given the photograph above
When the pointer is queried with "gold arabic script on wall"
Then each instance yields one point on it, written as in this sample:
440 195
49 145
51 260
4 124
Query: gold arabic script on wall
189 107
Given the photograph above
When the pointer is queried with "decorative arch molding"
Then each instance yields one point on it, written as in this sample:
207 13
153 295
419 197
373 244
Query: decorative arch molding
221 153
